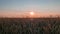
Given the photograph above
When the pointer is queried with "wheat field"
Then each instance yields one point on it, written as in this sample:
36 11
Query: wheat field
29 25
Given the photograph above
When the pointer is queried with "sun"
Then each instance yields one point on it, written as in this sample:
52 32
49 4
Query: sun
31 13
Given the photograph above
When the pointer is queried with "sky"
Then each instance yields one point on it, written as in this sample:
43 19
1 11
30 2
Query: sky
13 8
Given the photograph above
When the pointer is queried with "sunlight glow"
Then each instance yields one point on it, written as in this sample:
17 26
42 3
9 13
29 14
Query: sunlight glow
31 13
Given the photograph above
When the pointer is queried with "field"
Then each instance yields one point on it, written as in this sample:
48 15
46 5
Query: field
29 25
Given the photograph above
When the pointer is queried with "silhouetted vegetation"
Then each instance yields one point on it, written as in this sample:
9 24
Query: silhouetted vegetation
29 26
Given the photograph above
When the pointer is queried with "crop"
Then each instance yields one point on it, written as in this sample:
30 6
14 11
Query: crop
29 26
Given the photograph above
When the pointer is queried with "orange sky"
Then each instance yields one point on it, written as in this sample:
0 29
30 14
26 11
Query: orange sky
26 14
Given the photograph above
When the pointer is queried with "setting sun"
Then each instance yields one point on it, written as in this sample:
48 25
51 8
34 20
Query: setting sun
31 13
